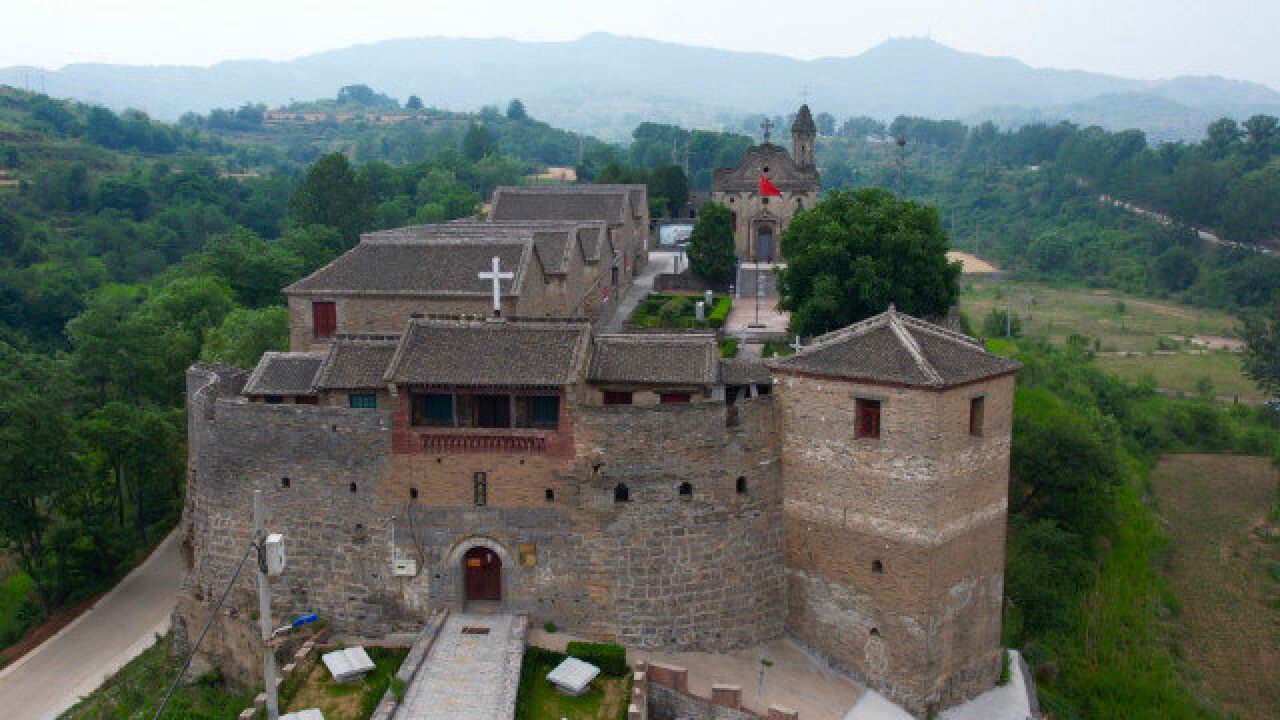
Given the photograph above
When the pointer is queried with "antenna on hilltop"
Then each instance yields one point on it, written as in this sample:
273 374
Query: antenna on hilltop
804 94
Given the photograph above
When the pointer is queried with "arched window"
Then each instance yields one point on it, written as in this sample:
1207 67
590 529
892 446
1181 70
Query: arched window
741 485
621 493
686 490
551 495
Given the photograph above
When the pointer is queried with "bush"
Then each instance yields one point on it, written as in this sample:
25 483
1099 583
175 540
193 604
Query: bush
675 308
609 657
719 311
729 347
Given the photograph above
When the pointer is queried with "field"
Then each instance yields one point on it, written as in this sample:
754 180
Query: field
1223 568
1136 339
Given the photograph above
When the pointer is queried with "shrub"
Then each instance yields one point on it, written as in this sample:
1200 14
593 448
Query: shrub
729 347
719 311
550 627
674 309
609 657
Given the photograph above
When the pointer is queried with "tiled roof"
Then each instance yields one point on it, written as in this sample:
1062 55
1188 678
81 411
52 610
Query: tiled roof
656 359
436 352
284 373
783 172
744 371
568 202
355 364
898 349
404 264
804 122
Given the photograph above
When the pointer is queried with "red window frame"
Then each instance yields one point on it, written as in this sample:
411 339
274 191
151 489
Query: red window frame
618 397
324 318
868 419
674 398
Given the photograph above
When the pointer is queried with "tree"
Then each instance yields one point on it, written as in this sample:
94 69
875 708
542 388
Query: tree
857 251
1176 270
1222 138
516 111
669 183
330 194
1261 333
413 103
826 123
245 335
477 143
1262 138
711 243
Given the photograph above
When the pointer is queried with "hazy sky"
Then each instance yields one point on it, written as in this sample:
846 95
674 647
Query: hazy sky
1139 38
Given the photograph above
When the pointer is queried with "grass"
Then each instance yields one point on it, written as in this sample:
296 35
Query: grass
1123 324
136 690
353 701
1220 567
538 699
679 311
18 610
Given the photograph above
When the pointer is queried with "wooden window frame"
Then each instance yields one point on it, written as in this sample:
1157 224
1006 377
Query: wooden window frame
869 418
617 397
674 398
327 328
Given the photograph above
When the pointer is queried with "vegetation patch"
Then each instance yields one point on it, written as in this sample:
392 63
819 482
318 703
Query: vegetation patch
345 701
680 311
606 699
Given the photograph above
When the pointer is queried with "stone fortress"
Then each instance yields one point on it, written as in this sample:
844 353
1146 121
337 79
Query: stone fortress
421 454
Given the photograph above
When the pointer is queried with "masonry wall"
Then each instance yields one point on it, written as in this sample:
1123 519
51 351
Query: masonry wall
749 207
895 545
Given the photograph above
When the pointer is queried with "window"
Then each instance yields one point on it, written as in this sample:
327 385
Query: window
490 411
741 485
673 398
273 399
363 401
868 418
617 397
686 490
285 482
621 493
976 408
613 275
413 493
433 410
351 487
480 489
877 566
538 411
551 495
324 319
307 400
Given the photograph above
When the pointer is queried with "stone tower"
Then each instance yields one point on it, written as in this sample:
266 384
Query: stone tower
895 468
804 133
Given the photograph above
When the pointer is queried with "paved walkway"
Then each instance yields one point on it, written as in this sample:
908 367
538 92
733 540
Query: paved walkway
660 261
794 679
45 682
469 675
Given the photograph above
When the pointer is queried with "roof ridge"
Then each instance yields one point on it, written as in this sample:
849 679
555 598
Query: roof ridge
912 347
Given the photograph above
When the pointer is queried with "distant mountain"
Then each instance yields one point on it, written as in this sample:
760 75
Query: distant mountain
606 84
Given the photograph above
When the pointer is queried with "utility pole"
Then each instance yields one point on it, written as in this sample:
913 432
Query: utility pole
264 606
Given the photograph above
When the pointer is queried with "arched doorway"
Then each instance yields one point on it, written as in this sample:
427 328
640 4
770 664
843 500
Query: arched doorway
483 570
764 242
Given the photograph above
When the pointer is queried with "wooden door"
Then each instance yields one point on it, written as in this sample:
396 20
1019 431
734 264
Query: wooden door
484 574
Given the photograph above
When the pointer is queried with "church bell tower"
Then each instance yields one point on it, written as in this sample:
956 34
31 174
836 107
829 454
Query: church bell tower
803 136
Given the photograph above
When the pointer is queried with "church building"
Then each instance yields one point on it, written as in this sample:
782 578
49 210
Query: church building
766 188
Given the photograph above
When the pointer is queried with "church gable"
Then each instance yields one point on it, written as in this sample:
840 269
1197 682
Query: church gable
770 161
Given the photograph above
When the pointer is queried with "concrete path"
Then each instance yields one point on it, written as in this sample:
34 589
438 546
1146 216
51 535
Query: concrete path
1008 702
45 682
660 261
472 671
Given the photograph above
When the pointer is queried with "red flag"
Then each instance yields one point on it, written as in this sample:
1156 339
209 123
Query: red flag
767 188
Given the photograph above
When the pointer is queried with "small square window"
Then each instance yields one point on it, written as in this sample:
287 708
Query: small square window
363 401
868 418
977 407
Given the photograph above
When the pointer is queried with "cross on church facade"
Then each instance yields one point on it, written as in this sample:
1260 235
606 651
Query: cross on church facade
767 125
497 276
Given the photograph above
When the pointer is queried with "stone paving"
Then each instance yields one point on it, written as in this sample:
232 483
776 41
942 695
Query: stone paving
469 675
660 261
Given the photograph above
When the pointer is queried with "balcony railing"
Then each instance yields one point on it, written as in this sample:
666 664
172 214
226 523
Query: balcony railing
470 442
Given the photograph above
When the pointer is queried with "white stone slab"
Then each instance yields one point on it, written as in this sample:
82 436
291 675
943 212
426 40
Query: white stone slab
348 664
309 714
573 676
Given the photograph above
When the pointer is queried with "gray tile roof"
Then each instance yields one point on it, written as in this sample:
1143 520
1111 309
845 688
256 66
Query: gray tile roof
284 373
401 263
610 203
784 173
898 349
656 359
436 352
744 371
355 364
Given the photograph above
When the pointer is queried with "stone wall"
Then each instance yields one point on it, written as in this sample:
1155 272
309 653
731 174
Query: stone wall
895 546
750 209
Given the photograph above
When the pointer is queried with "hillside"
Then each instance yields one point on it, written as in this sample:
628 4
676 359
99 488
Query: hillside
606 84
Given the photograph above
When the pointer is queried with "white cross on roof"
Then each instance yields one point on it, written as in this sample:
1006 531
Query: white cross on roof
497 276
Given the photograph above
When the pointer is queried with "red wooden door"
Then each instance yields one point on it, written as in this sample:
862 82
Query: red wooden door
324 317
484 574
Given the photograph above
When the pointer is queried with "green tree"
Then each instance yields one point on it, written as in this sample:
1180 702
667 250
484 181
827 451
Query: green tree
670 184
245 335
711 243
1262 138
477 143
516 111
414 103
857 251
1176 269
1222 138
330 194
1261 333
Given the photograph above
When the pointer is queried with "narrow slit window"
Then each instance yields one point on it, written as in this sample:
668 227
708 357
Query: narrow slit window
868 418
977 407
551 495
741 486
480 489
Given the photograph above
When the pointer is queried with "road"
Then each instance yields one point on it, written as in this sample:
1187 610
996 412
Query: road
45 682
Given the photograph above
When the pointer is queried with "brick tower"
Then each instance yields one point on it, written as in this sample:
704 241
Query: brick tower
895 466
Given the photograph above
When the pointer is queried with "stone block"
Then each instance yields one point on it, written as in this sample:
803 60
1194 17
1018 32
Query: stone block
729 696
